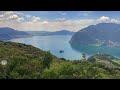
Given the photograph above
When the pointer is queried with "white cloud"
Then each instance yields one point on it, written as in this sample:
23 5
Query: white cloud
10 16
15 17
104 19
108 20
73 25
10 19
85 13
13 20
60 19
21 21
35 19
19 13
1 16
28 16
45 22
2 12
62 13
23 15
9 13
115 21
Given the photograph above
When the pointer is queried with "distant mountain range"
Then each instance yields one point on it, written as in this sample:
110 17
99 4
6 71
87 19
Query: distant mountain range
47 33
101 34
9 33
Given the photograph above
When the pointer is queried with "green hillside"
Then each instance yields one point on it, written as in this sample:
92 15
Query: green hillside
28 62
24 61
105 59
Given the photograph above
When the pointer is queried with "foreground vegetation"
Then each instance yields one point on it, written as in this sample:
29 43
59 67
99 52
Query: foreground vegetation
28 62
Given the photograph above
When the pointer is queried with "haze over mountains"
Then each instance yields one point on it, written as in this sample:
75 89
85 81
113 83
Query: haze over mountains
102 34
9 33
47 33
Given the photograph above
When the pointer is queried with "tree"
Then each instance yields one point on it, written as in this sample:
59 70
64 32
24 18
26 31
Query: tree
47 59
84 56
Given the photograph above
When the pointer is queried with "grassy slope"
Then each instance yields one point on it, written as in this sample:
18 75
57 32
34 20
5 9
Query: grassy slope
105 59
28 62
24 61
117 61
8 50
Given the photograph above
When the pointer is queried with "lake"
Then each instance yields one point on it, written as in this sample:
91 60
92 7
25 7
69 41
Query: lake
56 43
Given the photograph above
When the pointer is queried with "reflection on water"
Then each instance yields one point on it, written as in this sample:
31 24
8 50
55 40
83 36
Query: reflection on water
93 49
61 42
54 44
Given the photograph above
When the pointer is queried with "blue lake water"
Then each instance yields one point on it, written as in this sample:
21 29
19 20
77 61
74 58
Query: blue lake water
54 44
61 42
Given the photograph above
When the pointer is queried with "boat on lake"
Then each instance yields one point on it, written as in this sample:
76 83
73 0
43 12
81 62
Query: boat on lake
61 51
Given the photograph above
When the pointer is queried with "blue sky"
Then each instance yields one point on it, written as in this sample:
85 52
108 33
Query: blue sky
52 15
55 20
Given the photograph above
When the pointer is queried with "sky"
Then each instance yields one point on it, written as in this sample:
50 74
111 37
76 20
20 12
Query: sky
55 20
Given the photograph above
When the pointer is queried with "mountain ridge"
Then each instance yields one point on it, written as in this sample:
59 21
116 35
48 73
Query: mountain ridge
7 33
105 33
